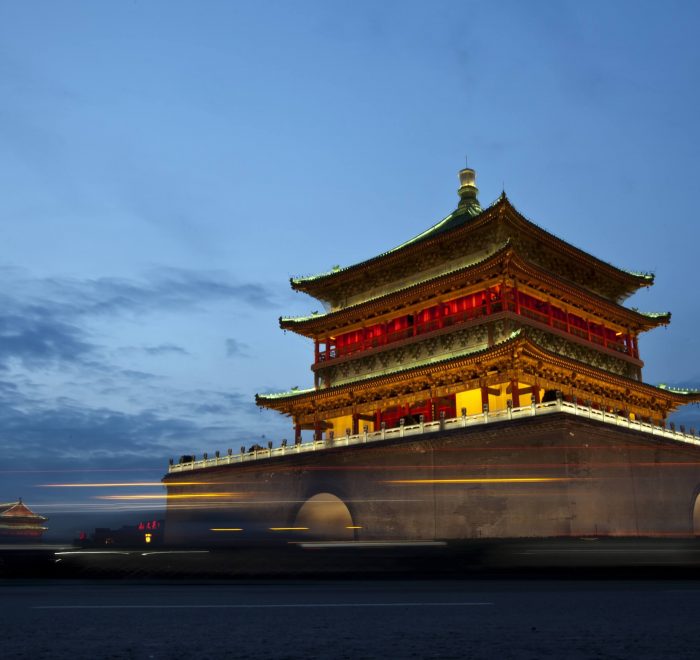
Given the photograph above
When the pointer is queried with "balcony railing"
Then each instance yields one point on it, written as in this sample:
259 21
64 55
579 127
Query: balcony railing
448 320
464 421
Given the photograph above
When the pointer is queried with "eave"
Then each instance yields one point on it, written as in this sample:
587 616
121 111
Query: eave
505 260
514 348
318 285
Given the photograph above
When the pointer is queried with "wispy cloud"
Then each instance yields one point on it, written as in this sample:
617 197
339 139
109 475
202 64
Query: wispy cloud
235 348
165 349
64 430
44 320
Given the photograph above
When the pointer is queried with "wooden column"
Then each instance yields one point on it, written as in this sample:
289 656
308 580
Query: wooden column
316 351
515 393
484 396
536 393
297 433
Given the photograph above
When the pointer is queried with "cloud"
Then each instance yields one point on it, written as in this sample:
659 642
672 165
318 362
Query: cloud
164 349
34 337
45 320
235 348
65 431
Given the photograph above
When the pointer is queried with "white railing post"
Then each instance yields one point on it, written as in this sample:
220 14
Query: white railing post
383 427
402 422
464 417
533 405
365 430
486 413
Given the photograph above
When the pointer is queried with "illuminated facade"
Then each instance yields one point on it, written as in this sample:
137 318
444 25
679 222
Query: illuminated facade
483 311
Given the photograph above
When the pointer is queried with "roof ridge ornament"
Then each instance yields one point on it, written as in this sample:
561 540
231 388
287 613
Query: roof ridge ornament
467 190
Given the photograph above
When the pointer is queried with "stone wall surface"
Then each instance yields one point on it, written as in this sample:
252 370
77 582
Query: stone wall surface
535 477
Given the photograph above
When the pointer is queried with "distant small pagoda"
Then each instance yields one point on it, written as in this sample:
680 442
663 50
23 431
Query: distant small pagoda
484 310
19 523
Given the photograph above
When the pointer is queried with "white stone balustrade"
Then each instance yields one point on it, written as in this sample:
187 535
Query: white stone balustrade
403 431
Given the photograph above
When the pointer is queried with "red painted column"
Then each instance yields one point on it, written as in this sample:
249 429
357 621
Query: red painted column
517 297
515 394
484 396
316 353
536 393
549 313
297 433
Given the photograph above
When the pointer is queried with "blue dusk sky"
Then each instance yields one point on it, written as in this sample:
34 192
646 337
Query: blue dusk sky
165 167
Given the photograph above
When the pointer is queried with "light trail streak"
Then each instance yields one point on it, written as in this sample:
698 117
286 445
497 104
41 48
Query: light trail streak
225 529
134 484
289 529
487 480
164 496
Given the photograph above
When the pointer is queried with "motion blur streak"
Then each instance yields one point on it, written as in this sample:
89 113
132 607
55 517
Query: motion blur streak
182 496
135 484
494 480
289 529
225 529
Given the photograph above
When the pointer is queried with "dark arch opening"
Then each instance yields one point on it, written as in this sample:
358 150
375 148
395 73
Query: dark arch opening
696 515
326 517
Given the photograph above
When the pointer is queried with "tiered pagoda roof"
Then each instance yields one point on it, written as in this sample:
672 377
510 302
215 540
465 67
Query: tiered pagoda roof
18 521
505 259
499 222
521 351
495 251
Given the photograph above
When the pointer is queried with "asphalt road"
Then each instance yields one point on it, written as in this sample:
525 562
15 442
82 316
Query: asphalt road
349 619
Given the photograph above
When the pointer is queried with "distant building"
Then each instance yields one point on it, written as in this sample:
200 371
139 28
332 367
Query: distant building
147 532
19 523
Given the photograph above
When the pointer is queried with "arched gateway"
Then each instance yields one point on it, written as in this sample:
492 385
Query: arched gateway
326 517
696 515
